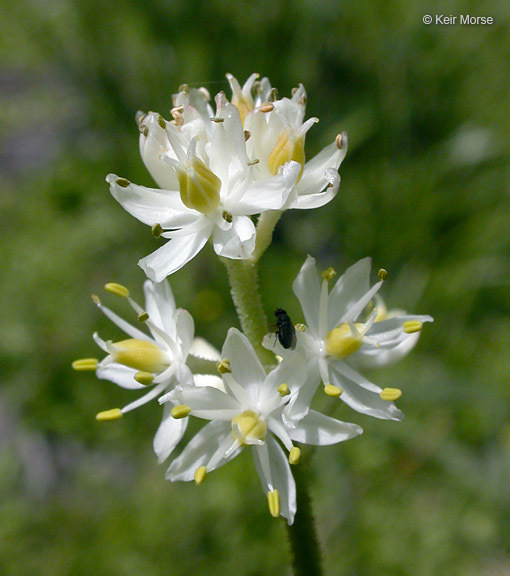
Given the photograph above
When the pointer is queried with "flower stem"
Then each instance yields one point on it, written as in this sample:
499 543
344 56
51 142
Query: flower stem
244 286
304 543
265 227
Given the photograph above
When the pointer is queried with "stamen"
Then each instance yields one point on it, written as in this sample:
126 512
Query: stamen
247 135
266 107
85 364
143 317
117 289
273 95
283 390
273 499
177 110
294 455
339 140
161 121
95 299
253 162
411 326
122 182
217 120
390 394
382 274
145 378
180 411
227 216
200 474
156 230
140 117
223 366
184 88
332 391
109 415
329 274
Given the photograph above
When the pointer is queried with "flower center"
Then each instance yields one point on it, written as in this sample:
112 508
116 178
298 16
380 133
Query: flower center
199 187
344 340
139 354
248 428
285 150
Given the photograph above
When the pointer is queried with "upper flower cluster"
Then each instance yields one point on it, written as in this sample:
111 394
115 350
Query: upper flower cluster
216 169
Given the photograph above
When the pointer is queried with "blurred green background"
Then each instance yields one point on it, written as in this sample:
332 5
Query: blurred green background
425 190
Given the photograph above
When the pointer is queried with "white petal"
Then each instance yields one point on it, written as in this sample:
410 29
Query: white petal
363 400
238 241
278 477
173 255
291 371
202 349
209 380
207 402
211 442
169 433
185 330
160 305
267 194
348 289
320 430
120 375
307 289
246 367
151 205
321 194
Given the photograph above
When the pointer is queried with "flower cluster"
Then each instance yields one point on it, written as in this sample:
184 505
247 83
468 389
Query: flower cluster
215 170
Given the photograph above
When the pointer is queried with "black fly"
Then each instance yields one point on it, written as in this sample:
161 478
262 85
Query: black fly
285 331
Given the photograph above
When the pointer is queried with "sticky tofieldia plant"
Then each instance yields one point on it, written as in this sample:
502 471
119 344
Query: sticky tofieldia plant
216 169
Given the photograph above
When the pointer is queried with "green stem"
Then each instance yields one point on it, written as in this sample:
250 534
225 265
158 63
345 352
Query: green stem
265 227
244 286
304 543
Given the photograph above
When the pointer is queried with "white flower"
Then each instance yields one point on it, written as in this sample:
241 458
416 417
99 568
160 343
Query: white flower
208 186
340 335
249 413
156 361
277 135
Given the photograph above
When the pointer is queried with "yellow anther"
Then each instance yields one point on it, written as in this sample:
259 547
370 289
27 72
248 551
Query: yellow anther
145 378
180 411
283 390
223 366
411 326
390 394
117 289
339 140
227 216
285 149
300 327
95 299
248 428
247 135
200 474
199 187
156 230
109 415
217 119
342 341
329 274
294 455
266 107
382 274
253 162
143 317
273 499
161 121
333 391
122 182
84 364
139 354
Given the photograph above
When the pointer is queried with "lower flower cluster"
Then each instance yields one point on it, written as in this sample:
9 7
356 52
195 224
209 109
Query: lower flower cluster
245 403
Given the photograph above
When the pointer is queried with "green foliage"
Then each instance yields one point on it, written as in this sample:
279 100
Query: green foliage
424 192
